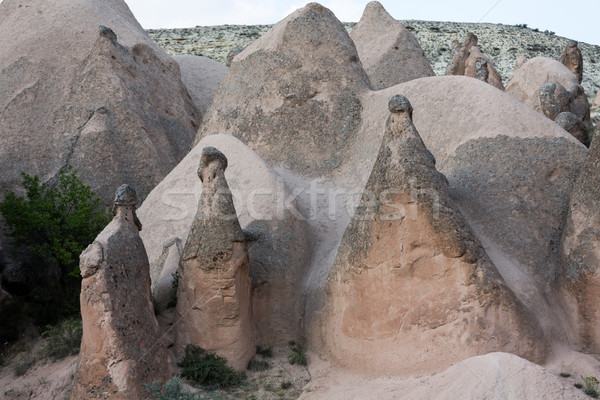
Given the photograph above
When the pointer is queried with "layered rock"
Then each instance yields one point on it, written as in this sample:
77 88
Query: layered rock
470 61
266 207
119 111
389 53
301 77
411 289
580 253
201 76
214 290
572 58
526 82
121 348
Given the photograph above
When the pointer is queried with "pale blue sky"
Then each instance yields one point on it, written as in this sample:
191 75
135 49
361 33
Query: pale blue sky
578 20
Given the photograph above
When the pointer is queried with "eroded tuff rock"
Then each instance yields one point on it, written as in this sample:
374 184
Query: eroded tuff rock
389 53
121 348
520 59
572 58
580 253
470 61
265 205
118 110
574 125
301 77
526 82
554 99
411 284
214 292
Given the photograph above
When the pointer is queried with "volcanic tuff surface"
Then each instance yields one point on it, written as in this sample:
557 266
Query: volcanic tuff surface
501 43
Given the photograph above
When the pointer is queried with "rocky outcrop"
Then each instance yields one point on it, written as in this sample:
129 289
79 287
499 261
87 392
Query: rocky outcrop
574 125
580 253
121 348
119 111
389 53
201 76
470 61
526 82
554 99
279 254
306 70
572 58
214 291
411 283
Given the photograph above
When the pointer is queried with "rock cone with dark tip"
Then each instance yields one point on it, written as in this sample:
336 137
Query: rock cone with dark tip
411 283
121 348
214 292
572 58
390 54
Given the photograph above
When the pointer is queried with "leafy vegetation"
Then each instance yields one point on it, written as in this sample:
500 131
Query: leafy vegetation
591 386
62 340
203 368
298 355
266 352
172 390
258 365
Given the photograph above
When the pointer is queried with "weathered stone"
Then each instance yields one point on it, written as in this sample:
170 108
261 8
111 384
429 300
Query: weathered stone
302 76
596 103
232 53
411 282
574 125
527 81
579 279
389 53
572 58
470 61
121 348
554 99
214 291
519 61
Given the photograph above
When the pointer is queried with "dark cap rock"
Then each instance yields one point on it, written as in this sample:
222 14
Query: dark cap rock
126 196
399 104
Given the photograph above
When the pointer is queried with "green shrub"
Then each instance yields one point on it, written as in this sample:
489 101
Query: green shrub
204 368
264 351
62 340
258 365
171 390
298 355
591 386
578 385
565 374
22 367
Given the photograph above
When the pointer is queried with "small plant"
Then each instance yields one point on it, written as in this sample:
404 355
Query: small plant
62 340
204 368
22 367
578 385
565 374
171 390
591 386
258 365
286 385
298 355
266 352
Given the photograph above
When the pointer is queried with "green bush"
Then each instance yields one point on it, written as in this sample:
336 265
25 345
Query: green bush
264 351
63 339
54 224
172 390
258 365
591 386
204 368
298 355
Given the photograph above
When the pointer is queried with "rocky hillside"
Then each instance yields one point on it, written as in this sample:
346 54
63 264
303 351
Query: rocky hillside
501 43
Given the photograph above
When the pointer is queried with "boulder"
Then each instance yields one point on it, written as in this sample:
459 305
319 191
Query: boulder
579 279
266 207
389 53
526 82
201 76
519 61
554 99
468 60
574 125
572 58
231 55
118 110
301 77
411 284
214 303
121 348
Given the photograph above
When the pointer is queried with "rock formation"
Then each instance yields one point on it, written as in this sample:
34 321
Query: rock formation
526 82
305 69
231 55
596 103
554 99
201 76
519 61
119 111
580 251
121 348
470 61
574 125
279 257
389 53
572 58
214 291
410 273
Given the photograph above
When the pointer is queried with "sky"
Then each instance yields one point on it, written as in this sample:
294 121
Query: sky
578 19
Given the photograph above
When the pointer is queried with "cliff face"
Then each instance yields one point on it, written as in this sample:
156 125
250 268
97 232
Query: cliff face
501 43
